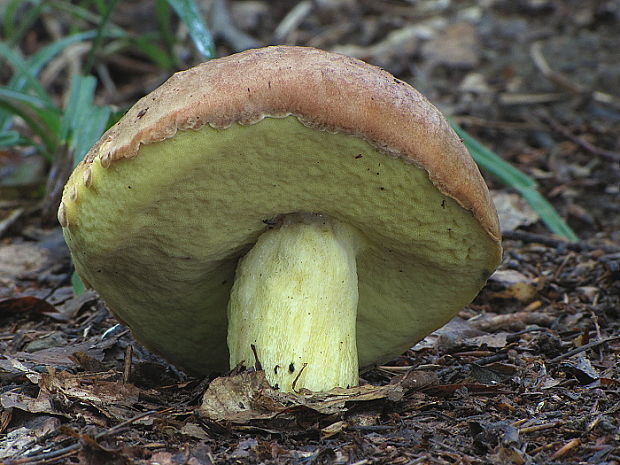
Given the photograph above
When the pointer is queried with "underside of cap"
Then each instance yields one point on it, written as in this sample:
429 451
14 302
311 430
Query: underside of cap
164 205
326 90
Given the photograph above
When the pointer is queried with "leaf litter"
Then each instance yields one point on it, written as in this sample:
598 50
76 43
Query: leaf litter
526 374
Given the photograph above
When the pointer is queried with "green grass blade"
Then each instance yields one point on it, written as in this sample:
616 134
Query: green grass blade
38 121
31 100
188 12
548 214
164 25
81 93
516 179
38 112
21 68
31 14
84 122
156 54
105 18
84 14
47 53
9 20
77 284
88 134
13 138
27 70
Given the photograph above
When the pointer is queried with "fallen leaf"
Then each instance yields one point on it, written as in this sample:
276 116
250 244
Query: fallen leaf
513 211
41 404
31 306
60 357
14 442
579 365
99 390
493 374
472 388
516 321
247 396
46 341
244 448
516 286
457 46
490 341
398 45
333 429
18 259
450 335
10 365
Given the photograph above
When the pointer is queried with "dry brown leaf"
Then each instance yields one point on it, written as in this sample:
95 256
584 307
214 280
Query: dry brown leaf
247 396
333 429
14 441
457 46
99 390
516 286
41 404
513 211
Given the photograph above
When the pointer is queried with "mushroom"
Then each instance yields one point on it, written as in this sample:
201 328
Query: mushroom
284 204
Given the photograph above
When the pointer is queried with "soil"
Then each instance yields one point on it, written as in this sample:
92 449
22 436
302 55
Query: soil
527 374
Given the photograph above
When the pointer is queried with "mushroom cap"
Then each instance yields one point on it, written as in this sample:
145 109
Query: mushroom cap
163 206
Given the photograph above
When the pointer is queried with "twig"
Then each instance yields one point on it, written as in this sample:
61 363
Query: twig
257 365
485 123
223 26
556 126
584 347
557 243
531 429
10 220
570 445
127 363
292 20
531 99
562 81
303 367
66 451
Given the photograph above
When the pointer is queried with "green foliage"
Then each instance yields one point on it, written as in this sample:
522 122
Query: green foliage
190 15
79 123
79 137
77 284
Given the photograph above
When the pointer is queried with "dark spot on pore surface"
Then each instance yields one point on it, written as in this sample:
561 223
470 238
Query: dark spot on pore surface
291 368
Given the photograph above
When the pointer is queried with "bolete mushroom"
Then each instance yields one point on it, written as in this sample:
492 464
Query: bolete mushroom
284 203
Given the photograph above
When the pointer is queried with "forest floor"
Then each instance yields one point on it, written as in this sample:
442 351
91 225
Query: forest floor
529 373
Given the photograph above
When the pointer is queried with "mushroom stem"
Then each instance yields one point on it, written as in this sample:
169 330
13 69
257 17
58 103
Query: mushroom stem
295 300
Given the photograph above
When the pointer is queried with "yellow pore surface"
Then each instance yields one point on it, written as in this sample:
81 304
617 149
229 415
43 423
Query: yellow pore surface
159 235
